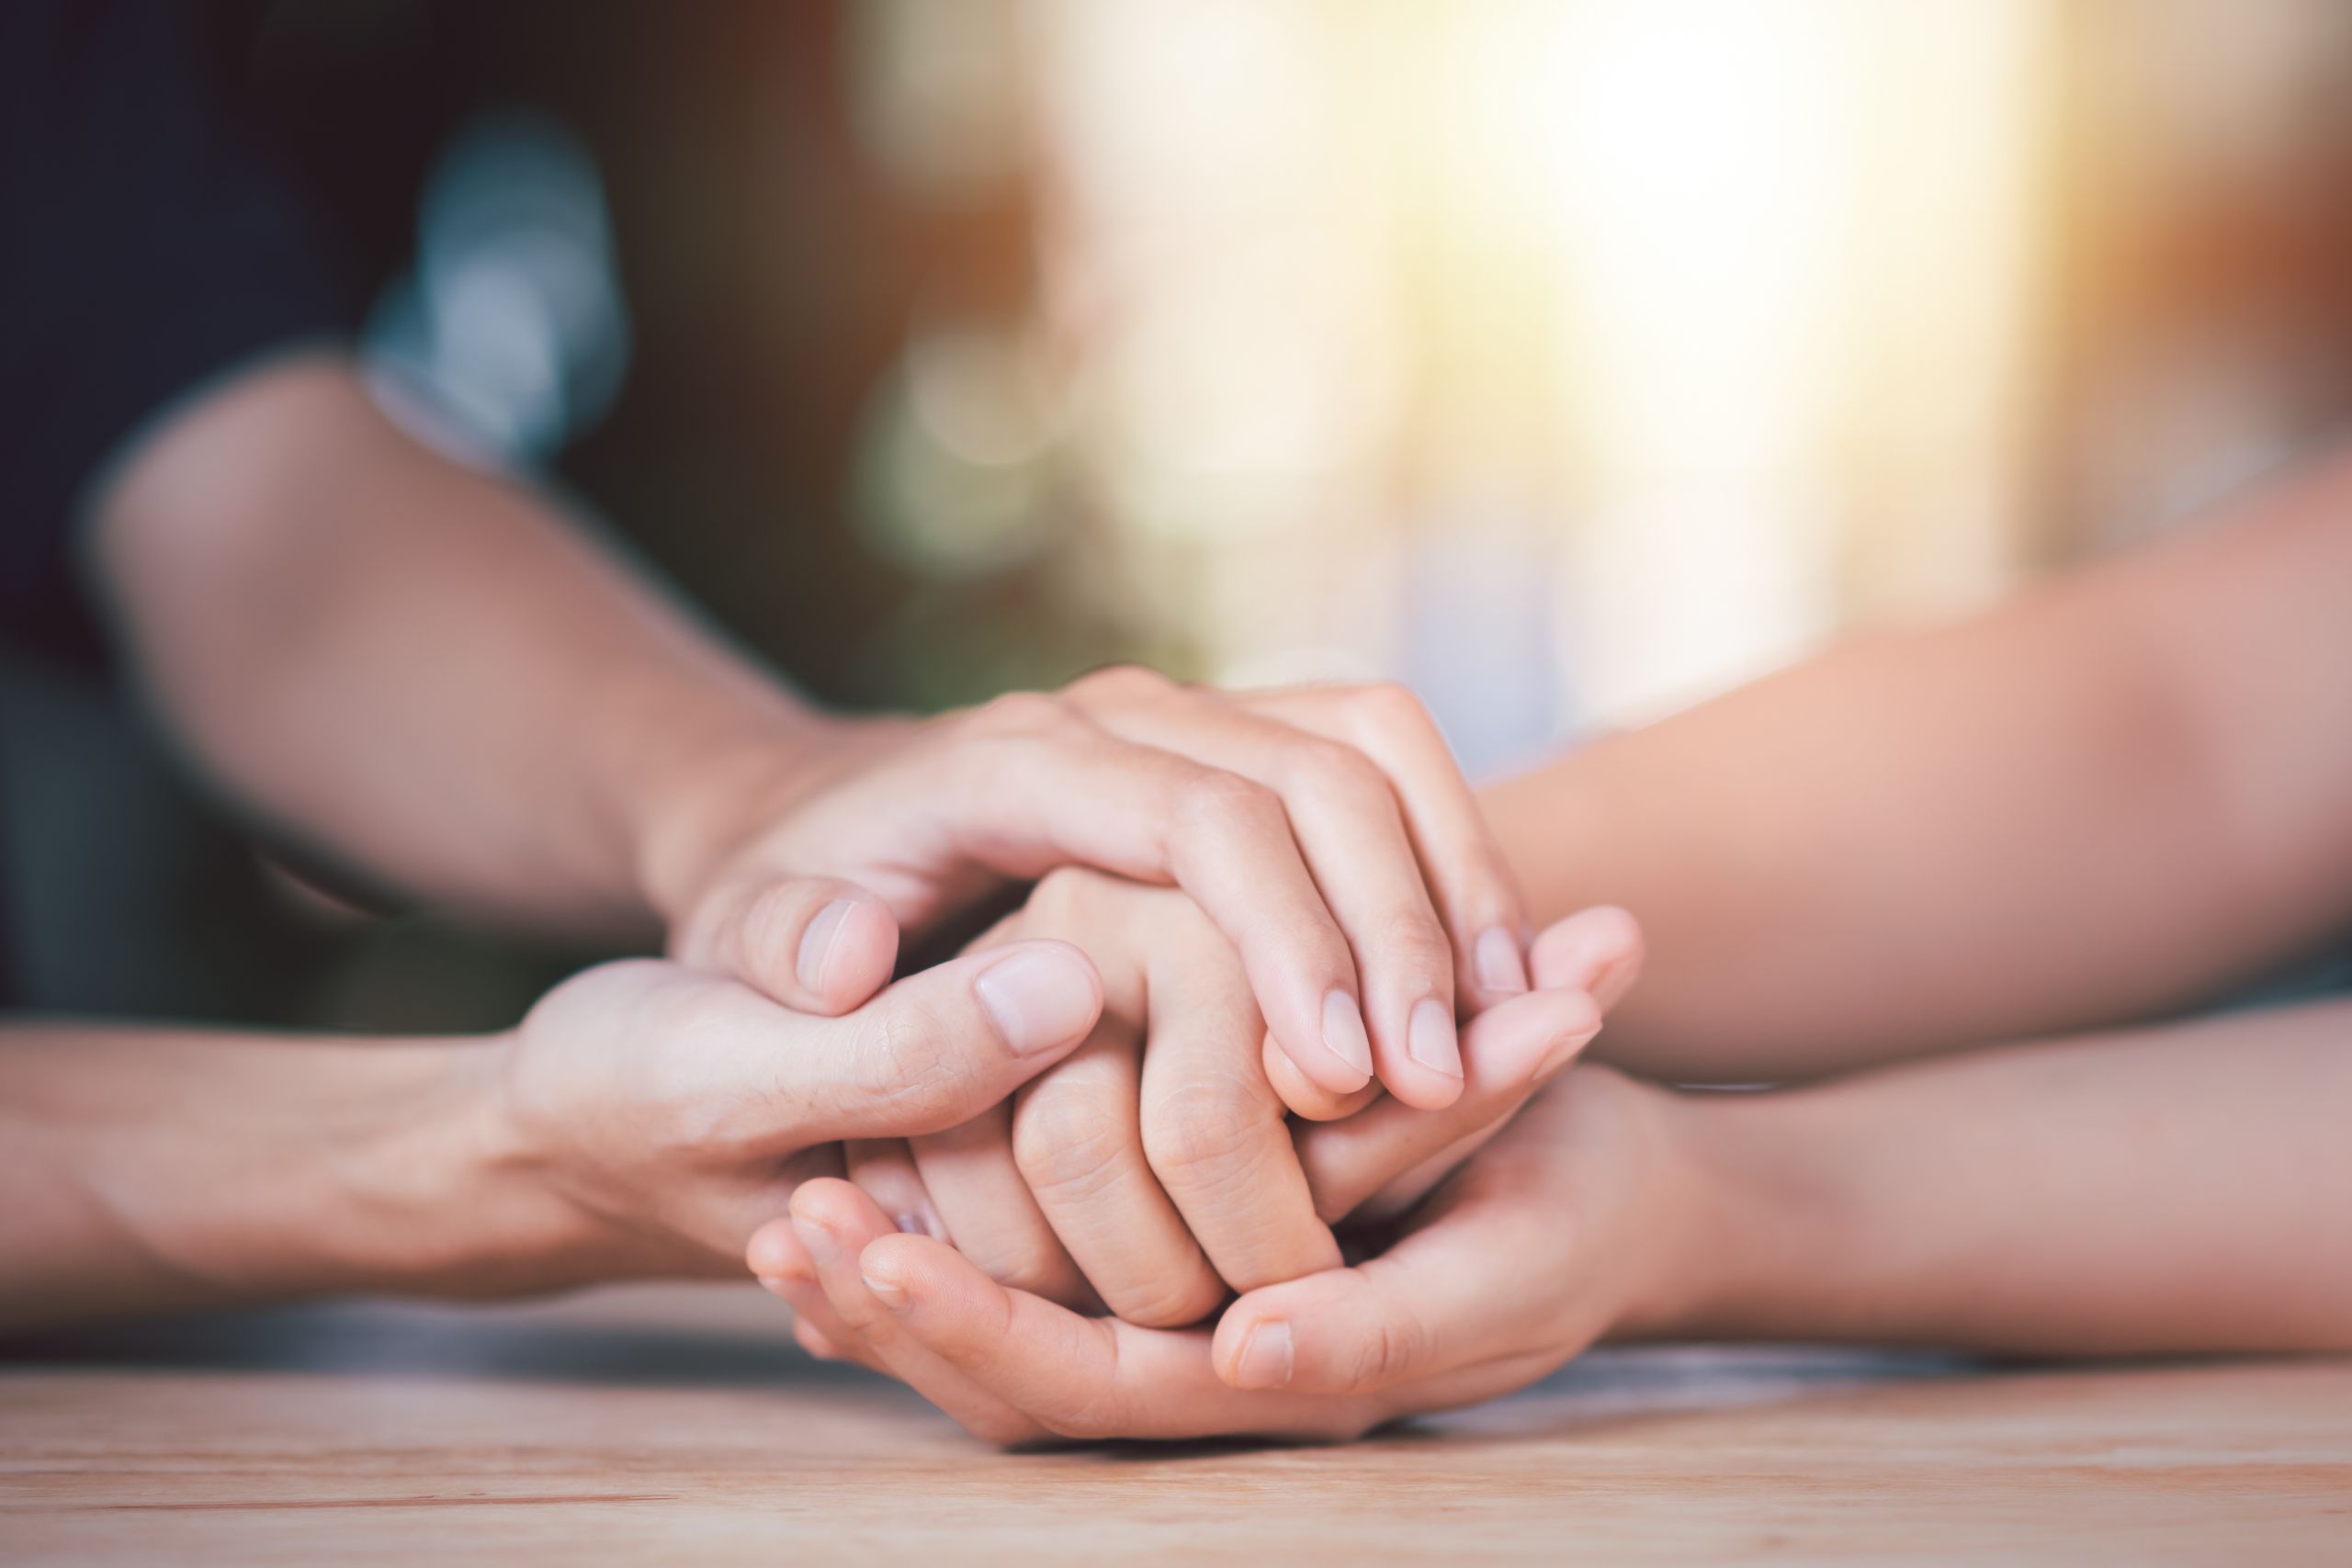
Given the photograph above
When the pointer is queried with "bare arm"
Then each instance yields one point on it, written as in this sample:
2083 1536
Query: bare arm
434 675
2105 800
154 1170
2177 1191
421 668
2181 1190
643 1120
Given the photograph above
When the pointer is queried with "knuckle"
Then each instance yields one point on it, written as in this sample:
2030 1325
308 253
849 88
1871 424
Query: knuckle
1223 804
1171 1301
898 1060
1387 1354
1333 772
1389 706
1118 685
1411 939
1206 1136
1089 1421
1070 1137
1021 713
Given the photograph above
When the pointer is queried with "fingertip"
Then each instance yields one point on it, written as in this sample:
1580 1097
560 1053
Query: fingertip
1598 950
775 1255
858 956
1044 996
1337 1058
826 1202
1528 1038
1301 1094
1420 1088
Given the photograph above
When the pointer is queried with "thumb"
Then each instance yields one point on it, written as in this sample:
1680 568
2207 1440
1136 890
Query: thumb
937 1048
1444 1297
815 944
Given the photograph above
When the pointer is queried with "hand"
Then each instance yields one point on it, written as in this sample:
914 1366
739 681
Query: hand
673 1112
1155 1166
1584 1218
1313 825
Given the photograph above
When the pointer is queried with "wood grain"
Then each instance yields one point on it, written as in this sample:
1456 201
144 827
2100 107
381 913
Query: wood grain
677 1424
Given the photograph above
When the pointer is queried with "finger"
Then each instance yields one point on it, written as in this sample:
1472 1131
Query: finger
1079 1377
936 1049
835 1223
976 1188
1214 1132
1476 895
1598 951
784 1269
1345 817
1452 1293
1038 785
1304 1096
816 943
883 1169
1078 1139
1513 1047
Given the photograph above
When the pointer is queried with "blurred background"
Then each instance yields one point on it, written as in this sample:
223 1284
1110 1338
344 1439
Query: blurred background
1569 360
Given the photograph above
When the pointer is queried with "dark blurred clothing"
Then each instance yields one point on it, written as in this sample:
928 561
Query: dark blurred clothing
149 247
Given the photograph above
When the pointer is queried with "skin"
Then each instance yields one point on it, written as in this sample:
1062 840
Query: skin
2160 1191
641 1121
644 1121
567 751
2103 802
2108 800
429 676
1156 1167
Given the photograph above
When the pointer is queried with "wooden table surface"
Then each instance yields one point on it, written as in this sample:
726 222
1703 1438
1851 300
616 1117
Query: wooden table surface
678 1424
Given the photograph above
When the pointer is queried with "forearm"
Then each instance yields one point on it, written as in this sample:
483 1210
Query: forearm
152 1170
2177 1190
423 670
2106 800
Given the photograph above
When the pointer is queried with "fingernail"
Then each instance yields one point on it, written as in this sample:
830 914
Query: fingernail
1265 1359
887 1290
774 1284
1429 1038
1564 1050
920 1223
1038 998
823 1250
817 943
1500 966
1343 1032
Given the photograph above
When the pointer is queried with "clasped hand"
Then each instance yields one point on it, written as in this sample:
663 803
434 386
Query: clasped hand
1128 1097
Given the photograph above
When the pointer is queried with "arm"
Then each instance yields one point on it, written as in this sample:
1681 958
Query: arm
430 673
642 1120
155 1170
2109 798
2169 1191
419 667
2176 1190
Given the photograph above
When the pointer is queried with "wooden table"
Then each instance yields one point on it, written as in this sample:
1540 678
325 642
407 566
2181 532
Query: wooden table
678 1425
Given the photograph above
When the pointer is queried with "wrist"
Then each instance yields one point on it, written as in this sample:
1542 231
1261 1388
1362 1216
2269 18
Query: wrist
462 1199
703 775
1762 1233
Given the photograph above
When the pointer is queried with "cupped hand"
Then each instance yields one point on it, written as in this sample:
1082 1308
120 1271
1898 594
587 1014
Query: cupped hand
673 1112
1155 1167
1584 1218
1326 831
